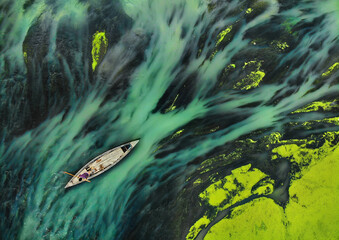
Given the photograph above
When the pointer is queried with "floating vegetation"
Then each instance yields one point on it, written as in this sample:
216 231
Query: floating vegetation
99 48
249 10
172 107
280 45
319 106
306 162
223 34
230 190
253 79
331 69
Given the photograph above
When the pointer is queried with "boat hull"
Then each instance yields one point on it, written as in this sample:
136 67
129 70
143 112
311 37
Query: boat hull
102 163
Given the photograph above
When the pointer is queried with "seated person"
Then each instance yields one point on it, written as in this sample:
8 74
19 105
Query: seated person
101 167
84 175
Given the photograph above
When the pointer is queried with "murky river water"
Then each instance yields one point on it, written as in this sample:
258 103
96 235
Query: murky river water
186 77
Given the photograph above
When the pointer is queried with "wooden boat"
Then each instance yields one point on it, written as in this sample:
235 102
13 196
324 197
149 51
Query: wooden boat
101 163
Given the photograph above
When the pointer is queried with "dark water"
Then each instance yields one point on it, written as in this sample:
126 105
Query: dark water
185 77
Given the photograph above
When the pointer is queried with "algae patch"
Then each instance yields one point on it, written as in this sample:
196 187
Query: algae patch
25 57
172 107
313 183
253 79
319 106
330 70
222 35
225 158
311 212
311 124
99 48
197 227
232 188
280 45
258 219
249 10
242 183
302 156
177 133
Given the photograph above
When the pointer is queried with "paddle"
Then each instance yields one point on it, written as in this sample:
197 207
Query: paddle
77 176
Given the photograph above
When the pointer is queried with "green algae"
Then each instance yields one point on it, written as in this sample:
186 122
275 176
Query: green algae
99 48
248 141
326 106
263 187
249 10
312 123
197 227
280 45
226 71
250 81
213 178
253 79
242 183
273 137
229 68
334 120
311 212
172 107
232 188
220 38
177 133
222 35
301 154
224 159
236 154
257 8
258 219
25 57
210 161
318 105
207 131
298 154
214 129
254 62
289 222
198 181
330 70
213 54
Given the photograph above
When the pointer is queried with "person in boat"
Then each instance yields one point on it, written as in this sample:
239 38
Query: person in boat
94 170
91 170
101 167
84 175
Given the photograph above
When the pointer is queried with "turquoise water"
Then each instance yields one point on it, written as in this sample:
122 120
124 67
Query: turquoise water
160 81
